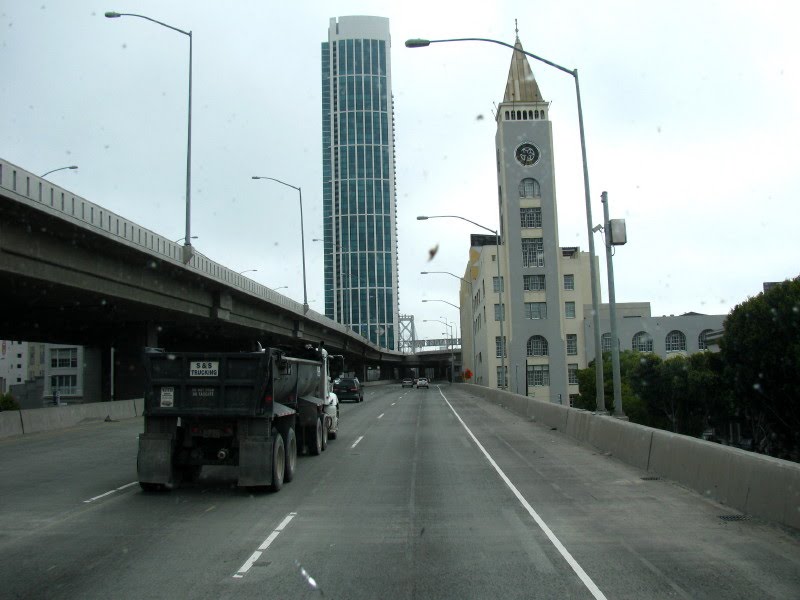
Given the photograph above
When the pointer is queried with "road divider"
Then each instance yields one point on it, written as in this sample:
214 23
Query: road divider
752 483
38 420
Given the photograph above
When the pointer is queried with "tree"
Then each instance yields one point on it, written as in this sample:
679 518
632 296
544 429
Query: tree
7 402
631 404
760 354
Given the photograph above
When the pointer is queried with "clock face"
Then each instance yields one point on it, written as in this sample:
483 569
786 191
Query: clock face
527 154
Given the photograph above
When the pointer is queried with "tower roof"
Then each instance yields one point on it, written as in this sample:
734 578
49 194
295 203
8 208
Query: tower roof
521 85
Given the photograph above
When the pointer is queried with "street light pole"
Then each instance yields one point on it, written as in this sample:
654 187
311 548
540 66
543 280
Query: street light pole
612 309
500 286
188 237
420 43
302 235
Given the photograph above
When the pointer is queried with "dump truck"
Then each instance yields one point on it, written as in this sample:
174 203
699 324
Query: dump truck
251 410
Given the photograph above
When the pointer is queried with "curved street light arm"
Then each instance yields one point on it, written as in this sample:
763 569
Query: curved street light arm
425 218
115 15
418 43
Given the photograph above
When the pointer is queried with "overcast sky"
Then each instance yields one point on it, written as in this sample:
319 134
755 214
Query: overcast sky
690 109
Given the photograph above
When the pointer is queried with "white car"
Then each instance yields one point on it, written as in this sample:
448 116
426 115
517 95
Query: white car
422 382
332 415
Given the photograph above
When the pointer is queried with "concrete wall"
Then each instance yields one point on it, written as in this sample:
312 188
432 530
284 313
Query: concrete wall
754 484
18 422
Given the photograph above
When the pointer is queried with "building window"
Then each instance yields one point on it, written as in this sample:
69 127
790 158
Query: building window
572 371
572 344
530 217
535 310
702 344
533 283
64 358
675 341
569 282
538 375
532 252
498 284
605 342
529 188
642 342
497 312
498 348
64 384
537 346
501 377
573 398
569 310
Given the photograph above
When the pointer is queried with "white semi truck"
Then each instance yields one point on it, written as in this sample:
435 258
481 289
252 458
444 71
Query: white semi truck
251 410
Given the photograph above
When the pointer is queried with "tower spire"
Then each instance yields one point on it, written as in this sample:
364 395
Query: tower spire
521 85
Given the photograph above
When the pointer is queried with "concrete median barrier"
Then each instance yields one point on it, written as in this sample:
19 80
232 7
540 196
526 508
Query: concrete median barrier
37 420
10 423
752 483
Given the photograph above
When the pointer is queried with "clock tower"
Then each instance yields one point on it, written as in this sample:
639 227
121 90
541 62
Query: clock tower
532 261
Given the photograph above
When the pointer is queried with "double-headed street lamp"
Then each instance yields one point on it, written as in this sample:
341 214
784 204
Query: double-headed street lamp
420 43
188 237
59 169
302 234
499 285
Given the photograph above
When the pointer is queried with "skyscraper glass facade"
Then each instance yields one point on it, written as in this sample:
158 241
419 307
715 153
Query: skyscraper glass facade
358 179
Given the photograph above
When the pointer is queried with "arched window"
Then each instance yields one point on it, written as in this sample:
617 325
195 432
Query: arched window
675 341
701 339
530 114
529 188
605 342
537 346
519 115
537 114
642 342
506 115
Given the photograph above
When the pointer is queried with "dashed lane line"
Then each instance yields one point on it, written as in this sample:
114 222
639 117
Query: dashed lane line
127 485
356 442
264 545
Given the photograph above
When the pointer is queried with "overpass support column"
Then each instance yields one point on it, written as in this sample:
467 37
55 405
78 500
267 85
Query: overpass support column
126 374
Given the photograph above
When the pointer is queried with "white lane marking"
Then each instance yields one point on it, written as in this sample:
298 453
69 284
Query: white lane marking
393 403
264 545
356 442
127 485
587 581
380 416
286 521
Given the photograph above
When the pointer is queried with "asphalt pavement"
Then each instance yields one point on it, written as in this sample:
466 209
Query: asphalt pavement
425 494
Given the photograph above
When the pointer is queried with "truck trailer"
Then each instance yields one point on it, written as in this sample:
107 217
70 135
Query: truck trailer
251 410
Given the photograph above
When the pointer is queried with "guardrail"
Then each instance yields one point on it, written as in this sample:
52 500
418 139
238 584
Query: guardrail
752 483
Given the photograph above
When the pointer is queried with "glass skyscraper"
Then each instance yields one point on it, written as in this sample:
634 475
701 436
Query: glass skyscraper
359 211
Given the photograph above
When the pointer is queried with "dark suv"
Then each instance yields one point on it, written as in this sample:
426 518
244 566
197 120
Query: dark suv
348 388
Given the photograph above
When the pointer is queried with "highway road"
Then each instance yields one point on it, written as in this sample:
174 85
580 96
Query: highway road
426 494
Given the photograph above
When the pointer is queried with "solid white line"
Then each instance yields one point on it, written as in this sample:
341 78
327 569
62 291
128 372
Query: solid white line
110 492
380 416
264 545
587 581
356 442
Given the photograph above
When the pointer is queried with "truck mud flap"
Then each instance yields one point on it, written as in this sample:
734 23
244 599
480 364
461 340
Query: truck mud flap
255 461
154 461
309 409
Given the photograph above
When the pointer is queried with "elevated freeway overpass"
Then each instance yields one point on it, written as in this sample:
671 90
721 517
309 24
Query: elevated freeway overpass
73 272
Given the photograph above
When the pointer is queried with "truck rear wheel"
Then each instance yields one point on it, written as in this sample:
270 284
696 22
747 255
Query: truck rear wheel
315 435
324 432
290 445
278 463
